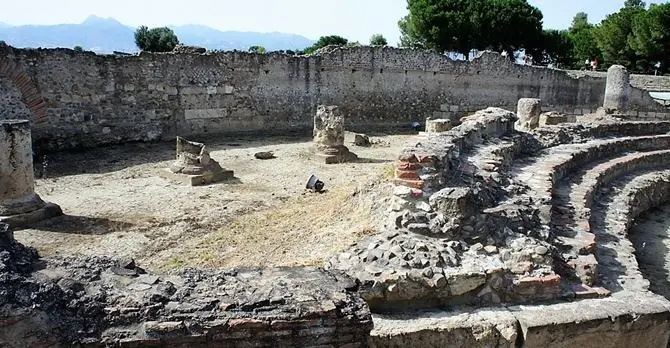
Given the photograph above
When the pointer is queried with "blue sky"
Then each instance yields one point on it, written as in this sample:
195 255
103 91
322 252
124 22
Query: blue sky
356 20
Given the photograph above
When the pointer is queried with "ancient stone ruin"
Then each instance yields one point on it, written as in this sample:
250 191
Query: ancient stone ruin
438 125
329 135
617 89
528 113
194 166
508 226
19 204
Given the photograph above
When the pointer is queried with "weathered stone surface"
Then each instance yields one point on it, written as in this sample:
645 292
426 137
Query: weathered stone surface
194 166
480 328
626 321
329 135
264 155
528 111
134 101
19 204
74 301
617 89
438 125
553 118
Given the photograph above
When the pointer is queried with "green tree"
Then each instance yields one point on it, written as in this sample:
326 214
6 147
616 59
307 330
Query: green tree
409 38
257 49
444 25
78 48
463 25
326 41
378 40
156 39
555 48
615 32
651 36
511 25
583 37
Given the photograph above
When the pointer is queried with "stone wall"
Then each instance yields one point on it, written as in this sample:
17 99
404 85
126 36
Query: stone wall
93 99
644 82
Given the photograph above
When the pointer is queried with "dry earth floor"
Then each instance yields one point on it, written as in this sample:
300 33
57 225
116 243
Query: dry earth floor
116 204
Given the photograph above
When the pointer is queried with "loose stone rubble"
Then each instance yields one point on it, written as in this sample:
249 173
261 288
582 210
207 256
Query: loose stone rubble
194 166
98 302
553 118
329 135
19 204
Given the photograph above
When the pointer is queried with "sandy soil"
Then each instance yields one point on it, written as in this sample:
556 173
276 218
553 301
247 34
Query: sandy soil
117 205
651 236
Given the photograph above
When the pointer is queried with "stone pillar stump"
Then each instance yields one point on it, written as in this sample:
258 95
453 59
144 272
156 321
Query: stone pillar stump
438 125
528 112
616 89
329 135
19 204
193 165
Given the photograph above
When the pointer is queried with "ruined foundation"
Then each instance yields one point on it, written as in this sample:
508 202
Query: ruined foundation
19 204
194 166
329 136
438 125
617 89
553 118
528 113
497 232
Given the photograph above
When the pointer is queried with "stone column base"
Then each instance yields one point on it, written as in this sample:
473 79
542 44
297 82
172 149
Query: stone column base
336 154
197 179
47 211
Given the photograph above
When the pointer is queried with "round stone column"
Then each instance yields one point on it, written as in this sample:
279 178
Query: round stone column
616 89
18 201
528 112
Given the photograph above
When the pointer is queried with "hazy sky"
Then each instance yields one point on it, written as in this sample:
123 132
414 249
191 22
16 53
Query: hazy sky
353 19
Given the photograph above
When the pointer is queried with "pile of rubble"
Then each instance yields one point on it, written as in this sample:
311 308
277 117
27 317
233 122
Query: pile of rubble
97 301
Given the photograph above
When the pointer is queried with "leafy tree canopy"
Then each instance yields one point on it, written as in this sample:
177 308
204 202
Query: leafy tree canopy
326 41
651 35
464 25
161 39
257 49
555 47
378 40
583 38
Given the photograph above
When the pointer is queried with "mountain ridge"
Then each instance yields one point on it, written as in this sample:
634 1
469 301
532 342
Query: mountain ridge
105 35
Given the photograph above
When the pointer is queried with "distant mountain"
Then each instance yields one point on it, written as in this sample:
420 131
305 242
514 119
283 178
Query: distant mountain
105 35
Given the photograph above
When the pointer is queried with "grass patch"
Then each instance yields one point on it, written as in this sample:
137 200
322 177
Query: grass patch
303 231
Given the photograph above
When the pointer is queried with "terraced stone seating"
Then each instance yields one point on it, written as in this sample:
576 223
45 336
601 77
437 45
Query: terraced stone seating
502 238
486 216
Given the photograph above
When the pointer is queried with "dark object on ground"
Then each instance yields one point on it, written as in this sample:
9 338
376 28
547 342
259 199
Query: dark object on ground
264 155
361 140
314 184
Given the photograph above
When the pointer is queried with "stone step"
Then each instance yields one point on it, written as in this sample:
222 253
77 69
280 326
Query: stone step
554 164
610 220
576 194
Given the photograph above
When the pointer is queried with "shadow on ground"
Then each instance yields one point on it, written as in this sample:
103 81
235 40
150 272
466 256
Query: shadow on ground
82 225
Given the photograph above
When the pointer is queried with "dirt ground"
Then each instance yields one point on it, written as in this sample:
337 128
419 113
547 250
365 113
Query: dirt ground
651 236
116 204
